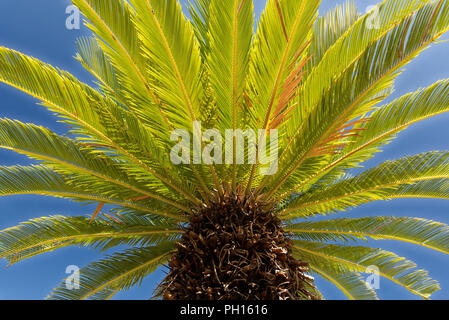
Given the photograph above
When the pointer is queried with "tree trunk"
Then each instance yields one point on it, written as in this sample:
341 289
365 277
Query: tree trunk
236 249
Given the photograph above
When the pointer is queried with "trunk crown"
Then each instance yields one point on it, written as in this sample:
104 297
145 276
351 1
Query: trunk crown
234 249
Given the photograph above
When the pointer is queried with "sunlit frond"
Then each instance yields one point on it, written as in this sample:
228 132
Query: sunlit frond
200 15
351 283
230 35
327 127
347 259
278 57
49 233
329 28
382 127
43 181
117 272
112 23
378 183
430 234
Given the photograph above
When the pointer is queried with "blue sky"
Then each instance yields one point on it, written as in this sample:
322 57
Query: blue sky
38 28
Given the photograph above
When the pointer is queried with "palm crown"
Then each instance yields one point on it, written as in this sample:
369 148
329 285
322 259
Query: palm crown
319 82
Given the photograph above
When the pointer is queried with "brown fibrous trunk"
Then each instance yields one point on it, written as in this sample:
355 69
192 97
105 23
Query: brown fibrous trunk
235 249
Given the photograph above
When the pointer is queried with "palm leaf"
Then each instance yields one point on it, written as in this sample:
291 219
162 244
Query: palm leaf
351 283
430 234
358 259
350 47
119 271
436 189
230 35
169 43
43 181
277 61
68 157
95 60
200 15
329 28
355 93
377 183
382 127
105 123
112 23
49 233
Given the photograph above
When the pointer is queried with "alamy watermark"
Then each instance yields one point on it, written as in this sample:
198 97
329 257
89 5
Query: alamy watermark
73 21
373 18
373 280
210 147
72 282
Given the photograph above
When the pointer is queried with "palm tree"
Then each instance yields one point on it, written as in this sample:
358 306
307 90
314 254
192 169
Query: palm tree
313 87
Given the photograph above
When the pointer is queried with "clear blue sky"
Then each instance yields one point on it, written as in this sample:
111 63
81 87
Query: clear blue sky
38 28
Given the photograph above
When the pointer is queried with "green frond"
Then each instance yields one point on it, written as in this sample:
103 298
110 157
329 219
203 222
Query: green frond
49 233
80 105
329 28
113 24
116 272
94 59
378 183
382 127
200 15
347 259
436 189
430 234
91 174
278 56
361 86
58 90
35 180
112 21
351 284
170 46
282 38
354 42
105 123
81 166
230 35
43 181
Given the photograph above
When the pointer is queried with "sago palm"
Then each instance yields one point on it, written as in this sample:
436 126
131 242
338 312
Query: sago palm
311 88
